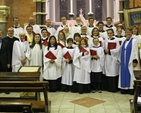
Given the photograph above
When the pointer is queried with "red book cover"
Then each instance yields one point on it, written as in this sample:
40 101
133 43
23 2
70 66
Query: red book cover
67 55
50 55
61 45
111 45
45 43
93 52
120 42
83 50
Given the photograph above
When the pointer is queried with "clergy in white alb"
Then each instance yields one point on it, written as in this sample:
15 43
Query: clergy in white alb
21 53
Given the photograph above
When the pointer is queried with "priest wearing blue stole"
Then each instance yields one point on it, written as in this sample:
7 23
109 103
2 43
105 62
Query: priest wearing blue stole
128 62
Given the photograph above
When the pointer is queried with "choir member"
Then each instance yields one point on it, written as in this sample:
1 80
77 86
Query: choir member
102 32
90 26
67 66
136 34
128 62
52 64
76 38
62 39
67 32
96 34
82 68
36 28
36 52
109 25
29 33
111 66
85 35
119 36
10 39
45 37
16 27
4 54
77 27
97 63
123 30
21 53
49 28
61 27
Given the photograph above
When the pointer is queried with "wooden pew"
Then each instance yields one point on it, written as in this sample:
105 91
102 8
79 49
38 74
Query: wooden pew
27 86
22 107
19 76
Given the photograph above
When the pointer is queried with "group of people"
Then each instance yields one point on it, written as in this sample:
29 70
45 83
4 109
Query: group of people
79 58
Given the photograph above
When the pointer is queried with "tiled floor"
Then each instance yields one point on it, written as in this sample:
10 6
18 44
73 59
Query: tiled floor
114 102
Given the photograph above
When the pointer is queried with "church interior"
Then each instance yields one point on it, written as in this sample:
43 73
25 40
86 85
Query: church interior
125 13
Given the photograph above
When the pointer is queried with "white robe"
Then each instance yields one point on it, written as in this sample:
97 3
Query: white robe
114 28
67 69
75 29
82 66
20 50
111 66
89 30
36 56
97 65
52 71
134 55
17 31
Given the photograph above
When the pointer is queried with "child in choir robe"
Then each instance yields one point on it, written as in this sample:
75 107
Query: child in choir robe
111 66
45 37
52 64
21 53
67 66
97 63
76 38
61 39
82 69
95 34
119 36
36 51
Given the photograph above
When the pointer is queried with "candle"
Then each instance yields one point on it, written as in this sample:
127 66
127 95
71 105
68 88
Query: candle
90 6
71 6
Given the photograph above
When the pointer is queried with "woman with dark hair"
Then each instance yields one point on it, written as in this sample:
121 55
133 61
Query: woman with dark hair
36 51
76 39
82 69
52 64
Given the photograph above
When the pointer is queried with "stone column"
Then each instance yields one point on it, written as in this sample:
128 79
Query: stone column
4 12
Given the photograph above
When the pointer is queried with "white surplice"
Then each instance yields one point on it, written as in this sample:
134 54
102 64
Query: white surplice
52 71
97 65
20 50
67 69
82 67
111 66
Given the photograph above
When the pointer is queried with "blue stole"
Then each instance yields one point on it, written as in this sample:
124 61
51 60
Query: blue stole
125 57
